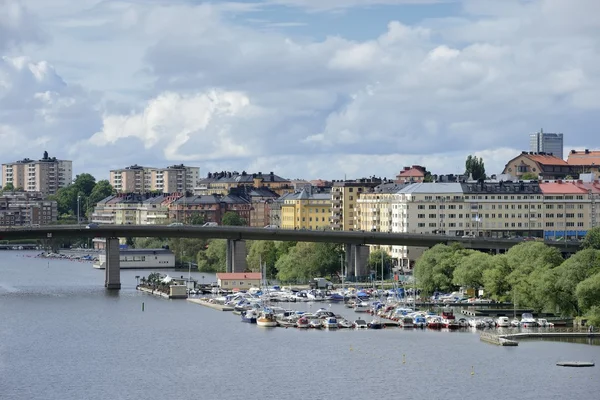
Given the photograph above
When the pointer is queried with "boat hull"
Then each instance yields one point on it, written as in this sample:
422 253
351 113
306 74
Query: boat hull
266 323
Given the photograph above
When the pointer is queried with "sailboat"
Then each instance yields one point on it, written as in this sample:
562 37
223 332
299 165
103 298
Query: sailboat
266 317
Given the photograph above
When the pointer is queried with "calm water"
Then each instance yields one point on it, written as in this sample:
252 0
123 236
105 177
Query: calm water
63 336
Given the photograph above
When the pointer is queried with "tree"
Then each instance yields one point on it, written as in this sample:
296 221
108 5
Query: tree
494 279
529 176
305 261
469 273
374 262
231 218
102 189
197 219
435 268
148 243
475 167
265 251
214 258
9 187
592 239
588 292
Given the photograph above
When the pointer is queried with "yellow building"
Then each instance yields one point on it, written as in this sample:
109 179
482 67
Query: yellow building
306 209
344 197
222 182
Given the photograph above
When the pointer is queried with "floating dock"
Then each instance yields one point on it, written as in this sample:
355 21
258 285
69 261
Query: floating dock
496 339
578 364
214 306
535 335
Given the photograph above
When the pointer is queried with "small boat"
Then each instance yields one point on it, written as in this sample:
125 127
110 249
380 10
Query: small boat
375 324
303 323
362 307
543 323
515 323
330 323
266 319
249 316
527 321
344 323
315 323
360 324
419 321
502 322
406 322
434 322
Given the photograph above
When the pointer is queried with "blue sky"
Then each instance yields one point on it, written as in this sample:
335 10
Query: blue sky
310 89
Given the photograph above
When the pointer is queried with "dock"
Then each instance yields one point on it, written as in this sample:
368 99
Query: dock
498 340
214 306
536 335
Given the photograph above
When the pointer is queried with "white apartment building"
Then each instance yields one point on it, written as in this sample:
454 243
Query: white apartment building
44 176
138 179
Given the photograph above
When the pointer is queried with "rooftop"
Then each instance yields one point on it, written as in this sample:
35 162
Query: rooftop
502 187
561 187
544 158
584 157
432 187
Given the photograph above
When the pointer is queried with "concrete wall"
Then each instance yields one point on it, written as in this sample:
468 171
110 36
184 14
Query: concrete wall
113 269
236 256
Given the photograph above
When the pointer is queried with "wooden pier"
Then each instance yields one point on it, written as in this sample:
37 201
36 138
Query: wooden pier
499 340
214 306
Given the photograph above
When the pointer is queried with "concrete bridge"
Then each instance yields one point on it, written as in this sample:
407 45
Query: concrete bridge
355 242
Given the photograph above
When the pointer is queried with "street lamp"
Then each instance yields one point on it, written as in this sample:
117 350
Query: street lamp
78 200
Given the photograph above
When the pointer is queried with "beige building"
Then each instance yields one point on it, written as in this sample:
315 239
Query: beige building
239 280
344 197
129 209
138 179
542 165
222 183
44 176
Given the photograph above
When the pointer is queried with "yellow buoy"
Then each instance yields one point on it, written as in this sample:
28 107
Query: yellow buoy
472 370
403 358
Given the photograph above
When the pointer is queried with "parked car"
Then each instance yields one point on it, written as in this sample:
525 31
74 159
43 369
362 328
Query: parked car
92 225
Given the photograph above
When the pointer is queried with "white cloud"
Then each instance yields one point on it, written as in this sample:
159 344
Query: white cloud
159 82
336 5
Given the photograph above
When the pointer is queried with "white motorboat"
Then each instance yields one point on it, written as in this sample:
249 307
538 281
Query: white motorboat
515 323
362 307
543 323
502 322
527 321
360 324
330 323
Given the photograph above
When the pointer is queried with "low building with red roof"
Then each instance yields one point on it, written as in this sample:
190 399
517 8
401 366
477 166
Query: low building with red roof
585 161
238 280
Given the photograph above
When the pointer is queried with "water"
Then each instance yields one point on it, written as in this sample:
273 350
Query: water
63 336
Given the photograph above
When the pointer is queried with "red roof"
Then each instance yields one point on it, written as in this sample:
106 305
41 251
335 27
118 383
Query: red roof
561 188
546 159
412 172
239 275
583 158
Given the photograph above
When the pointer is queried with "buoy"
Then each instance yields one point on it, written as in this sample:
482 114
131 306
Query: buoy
142 306
472 370
351 348
403 358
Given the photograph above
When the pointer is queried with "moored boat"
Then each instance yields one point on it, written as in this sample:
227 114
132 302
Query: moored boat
406 322
375 324
303 323
330 323
266 319
249 316
434 322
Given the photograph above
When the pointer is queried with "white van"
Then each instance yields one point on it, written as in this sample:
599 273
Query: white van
211 224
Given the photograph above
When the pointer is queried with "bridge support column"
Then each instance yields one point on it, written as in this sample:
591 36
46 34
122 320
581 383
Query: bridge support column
361 258
349 262
236 256
112 277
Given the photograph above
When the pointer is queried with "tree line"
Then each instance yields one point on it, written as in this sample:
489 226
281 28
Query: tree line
530 274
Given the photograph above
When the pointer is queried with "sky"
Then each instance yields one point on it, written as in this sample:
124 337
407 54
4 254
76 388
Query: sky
304 88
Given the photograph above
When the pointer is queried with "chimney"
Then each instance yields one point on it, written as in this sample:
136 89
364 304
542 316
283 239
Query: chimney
587 151
559 181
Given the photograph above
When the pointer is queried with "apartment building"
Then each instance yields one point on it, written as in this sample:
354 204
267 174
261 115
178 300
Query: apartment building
138 179
26 209
306 209
133 208
344 197
44 176
222 182
211 208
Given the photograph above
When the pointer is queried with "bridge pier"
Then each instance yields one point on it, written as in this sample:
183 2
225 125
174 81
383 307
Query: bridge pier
236 256
349 250
360 255
112 272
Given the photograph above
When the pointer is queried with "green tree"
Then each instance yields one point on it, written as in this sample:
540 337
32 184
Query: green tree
495 279
84 184
102 189
375 260
529 176
305 261
148 243
197 219
265 251
284 248
434 270
214 259
231 218
469 273
9 187
564 279
475 167
592 239
588 292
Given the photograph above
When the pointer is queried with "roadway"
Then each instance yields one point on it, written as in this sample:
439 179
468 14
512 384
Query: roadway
246 233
